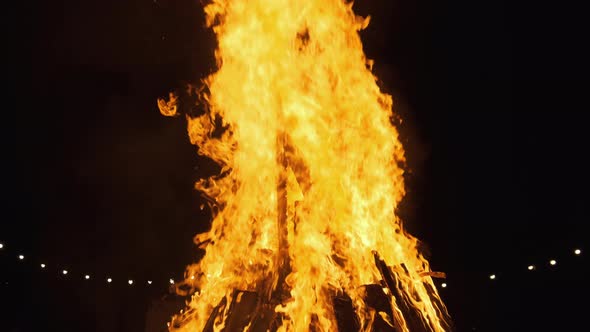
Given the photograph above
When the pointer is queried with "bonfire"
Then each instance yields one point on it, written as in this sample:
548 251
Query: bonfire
305 234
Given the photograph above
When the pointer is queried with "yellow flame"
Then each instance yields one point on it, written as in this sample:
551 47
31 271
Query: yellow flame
302 112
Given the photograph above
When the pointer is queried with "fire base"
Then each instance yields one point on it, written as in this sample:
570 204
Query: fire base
249 311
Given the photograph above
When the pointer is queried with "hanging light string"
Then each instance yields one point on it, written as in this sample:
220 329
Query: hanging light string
552 262
108 279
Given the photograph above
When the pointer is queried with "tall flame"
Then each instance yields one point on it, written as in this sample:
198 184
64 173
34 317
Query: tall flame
304 132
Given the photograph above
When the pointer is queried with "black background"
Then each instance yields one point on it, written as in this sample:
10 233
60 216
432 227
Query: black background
97 181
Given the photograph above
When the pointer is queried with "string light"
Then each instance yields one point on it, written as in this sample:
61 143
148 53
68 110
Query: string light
21 257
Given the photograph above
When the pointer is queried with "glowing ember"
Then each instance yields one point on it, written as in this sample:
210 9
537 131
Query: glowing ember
305 206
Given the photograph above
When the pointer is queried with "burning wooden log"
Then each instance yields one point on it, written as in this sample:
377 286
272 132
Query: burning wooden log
408 313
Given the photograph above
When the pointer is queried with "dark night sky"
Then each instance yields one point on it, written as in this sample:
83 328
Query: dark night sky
97 180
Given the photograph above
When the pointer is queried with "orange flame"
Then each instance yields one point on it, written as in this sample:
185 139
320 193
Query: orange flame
311 173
